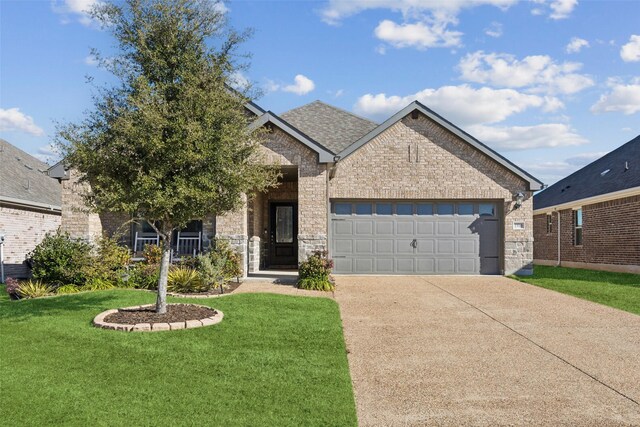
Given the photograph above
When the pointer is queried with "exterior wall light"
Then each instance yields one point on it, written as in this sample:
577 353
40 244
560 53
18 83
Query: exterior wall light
519 198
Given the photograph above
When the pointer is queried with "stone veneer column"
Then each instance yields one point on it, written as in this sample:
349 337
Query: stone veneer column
254 254
518 243
312 209
232 227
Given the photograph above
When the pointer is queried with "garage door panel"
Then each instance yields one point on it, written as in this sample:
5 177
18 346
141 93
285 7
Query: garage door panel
404 265
384 228
424 228
466 265
364 246
384 246
343 246
446 228
433 241
404 227
364 265
364 228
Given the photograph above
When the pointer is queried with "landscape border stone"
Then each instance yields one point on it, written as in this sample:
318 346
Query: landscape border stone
99 321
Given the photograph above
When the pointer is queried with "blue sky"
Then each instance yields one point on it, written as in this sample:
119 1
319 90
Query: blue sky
551 84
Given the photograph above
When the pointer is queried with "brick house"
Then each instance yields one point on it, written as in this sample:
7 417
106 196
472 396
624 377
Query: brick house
413 195
591 218
29 206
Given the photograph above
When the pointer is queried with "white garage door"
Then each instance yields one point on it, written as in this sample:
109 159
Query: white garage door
415 237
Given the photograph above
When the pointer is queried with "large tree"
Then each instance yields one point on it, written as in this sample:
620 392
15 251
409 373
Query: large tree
169 141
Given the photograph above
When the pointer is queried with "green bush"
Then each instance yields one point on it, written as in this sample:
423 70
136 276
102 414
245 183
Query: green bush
34 289
213 272
59 259
97 284
67 289
315 273
109 262
152 254
143 276
223 254
185 280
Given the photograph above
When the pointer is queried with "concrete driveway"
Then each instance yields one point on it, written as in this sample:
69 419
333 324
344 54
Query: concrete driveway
486 351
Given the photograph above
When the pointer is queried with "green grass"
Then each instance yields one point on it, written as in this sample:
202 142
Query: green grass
618 290
273 360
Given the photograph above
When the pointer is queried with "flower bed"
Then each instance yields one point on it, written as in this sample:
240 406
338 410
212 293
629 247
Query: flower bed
143 318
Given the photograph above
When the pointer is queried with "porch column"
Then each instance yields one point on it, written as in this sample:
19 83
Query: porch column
232 227
312 209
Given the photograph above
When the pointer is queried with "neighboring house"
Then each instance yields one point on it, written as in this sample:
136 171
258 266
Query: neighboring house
413 195
591 219
29 206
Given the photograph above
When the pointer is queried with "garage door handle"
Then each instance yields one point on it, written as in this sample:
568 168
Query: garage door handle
414 243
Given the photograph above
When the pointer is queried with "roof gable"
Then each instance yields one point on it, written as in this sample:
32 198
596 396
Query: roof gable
324 155
616 171
330 126
534 184
23 179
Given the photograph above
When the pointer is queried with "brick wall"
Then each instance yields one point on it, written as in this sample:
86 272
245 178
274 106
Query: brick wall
418 159
610 234
23 230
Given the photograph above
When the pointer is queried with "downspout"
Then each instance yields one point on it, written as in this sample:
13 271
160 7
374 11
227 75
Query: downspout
1 258
559 258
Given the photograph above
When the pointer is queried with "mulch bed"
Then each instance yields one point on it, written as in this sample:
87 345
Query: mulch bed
175 313
227 289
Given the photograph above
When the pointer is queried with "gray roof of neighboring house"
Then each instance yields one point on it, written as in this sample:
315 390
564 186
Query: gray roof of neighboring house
23 179
331 127
592 180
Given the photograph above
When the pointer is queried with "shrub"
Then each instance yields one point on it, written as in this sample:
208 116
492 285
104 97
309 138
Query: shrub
34 289
213 272
109 262
152 254
222 254
12 286
97 284
60 259
67 289
315 273
185 280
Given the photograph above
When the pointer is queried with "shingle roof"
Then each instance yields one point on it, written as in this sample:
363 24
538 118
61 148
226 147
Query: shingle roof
593 180
23 177
330 126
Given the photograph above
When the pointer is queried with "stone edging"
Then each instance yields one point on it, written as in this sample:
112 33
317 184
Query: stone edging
99 322
196 296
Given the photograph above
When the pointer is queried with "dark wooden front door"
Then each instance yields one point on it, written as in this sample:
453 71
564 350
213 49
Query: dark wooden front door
283 234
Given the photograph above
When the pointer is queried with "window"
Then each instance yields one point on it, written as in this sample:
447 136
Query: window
487 209
445 209
383 209
425 209
343 209
404 209
363 209
549 224
465 209
577 227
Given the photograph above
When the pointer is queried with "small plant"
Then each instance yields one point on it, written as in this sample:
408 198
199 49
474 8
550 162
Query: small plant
315 273
143 276
212 271
97 284
67 289
34 289
109 261
152 254
59 259
12 287
223 254
185 280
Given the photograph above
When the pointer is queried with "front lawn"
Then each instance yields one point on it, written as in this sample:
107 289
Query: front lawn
618 290
274 360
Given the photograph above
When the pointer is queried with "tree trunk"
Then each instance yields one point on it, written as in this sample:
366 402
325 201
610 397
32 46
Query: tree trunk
161 302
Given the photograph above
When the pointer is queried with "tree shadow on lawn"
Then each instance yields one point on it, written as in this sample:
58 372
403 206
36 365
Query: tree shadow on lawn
581 275
91 303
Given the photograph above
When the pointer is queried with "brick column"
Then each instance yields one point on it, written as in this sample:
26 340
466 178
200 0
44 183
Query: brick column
232 227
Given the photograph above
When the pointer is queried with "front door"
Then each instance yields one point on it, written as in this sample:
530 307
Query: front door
283 234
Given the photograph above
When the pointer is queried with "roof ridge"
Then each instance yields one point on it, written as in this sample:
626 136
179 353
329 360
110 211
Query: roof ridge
317 101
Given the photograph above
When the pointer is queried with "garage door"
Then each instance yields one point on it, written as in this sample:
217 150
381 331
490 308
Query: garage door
416 237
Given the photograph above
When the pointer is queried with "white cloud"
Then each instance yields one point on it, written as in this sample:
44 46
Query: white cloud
12 119
576 44
624 98
547 135
338 93
537 73
494 30
48 154
630 52
91 61
463 105
301 85
561 9
425 23
220 7
238 80
78 9
551 171
421 35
